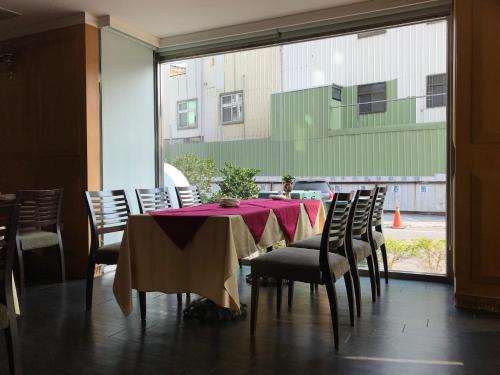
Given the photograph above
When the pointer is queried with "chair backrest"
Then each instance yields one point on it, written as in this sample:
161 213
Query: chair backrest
359 217
377 215
188 196
153 199
8 228
108 212
335 229
39 208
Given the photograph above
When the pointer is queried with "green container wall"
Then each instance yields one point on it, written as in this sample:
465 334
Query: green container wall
309 138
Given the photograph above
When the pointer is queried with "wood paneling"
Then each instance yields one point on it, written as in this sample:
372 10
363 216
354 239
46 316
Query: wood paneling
44 114
476 134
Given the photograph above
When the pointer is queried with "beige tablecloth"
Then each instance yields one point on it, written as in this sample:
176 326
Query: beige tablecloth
149 261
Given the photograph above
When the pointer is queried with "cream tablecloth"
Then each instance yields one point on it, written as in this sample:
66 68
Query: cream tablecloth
149 261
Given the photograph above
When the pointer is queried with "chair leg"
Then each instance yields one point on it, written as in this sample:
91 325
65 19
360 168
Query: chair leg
13 353
254 304
61 261
350 299
142 304
377 271
291 284
373 283
279 290
332 299
240 263
179 298
90 284
384 259
20 266
357 286
311 287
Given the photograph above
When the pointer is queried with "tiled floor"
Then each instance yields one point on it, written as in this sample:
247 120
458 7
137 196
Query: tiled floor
413 329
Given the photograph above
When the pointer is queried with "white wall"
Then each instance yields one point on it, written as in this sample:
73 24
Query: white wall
128 141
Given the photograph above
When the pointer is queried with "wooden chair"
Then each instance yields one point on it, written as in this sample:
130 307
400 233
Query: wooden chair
39 226
108 213
152 200
358 246
8 324
324 267
188 196
376 234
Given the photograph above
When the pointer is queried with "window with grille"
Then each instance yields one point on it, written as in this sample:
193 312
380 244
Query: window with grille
436 90
372 98
231 107
186 114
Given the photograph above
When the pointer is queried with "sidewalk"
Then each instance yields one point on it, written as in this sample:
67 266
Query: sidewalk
416 226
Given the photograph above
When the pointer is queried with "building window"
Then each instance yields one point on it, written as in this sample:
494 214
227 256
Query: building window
337 93
186 114
177 70
368 34
436 90
372 98
231 108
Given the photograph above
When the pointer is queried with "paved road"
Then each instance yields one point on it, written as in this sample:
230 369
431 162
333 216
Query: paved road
416 226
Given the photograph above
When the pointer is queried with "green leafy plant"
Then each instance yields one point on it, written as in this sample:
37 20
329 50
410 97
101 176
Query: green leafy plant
237 182
398 250
287 178
198 171
433 252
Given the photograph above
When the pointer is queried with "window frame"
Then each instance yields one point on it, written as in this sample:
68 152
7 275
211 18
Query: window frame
371 103
431 97
221 106
195 126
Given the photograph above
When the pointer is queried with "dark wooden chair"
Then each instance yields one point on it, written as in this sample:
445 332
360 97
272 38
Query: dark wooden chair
8 324
358 246
324 267
188 196
39 226
108 213
376 234
152 200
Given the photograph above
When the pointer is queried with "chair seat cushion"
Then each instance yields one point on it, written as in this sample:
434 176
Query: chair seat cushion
38 239
378 238
4 316
107 254
361 249
313 242
297 264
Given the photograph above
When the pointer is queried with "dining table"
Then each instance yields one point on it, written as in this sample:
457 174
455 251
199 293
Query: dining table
197 249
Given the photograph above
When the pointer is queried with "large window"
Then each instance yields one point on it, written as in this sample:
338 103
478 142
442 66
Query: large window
186 114
231 108
349 110
436 90
372 98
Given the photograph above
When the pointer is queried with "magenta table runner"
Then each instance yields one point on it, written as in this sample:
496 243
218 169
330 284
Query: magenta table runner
182 224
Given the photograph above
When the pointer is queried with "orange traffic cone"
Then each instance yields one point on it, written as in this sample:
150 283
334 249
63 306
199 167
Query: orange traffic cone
398 222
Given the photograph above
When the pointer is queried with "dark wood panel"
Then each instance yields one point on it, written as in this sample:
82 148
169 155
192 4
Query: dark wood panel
44 134
485 265
486 80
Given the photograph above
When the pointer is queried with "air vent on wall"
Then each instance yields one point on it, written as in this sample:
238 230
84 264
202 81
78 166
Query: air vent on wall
6 14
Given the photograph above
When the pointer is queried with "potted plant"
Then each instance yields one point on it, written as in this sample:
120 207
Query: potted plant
287 184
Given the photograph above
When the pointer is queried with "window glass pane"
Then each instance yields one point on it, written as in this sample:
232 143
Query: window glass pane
192 105
226 114
191 118
183 120
235 113
182 106
226 99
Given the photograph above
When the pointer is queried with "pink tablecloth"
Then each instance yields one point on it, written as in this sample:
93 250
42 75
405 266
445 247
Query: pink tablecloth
181 225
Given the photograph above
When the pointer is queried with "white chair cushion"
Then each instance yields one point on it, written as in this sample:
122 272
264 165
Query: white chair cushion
37 239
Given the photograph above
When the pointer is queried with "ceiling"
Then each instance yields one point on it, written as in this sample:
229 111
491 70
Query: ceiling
162 18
